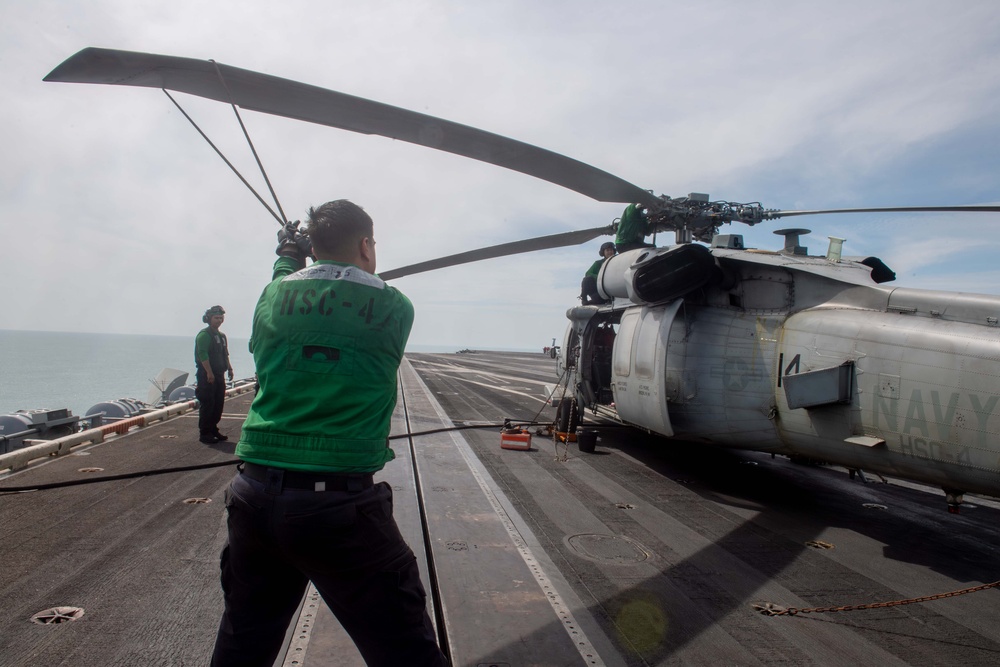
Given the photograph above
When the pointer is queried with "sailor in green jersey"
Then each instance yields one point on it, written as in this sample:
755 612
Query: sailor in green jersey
633 227
327 342
588 287
211 360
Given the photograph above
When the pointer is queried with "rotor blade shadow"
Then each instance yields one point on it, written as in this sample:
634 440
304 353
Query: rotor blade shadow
758 520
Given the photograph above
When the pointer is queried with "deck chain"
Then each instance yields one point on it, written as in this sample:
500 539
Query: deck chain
770 609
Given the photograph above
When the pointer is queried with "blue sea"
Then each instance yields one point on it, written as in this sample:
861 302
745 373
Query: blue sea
50 370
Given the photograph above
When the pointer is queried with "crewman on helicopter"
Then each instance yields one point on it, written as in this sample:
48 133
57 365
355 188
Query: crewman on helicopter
588 288
632 229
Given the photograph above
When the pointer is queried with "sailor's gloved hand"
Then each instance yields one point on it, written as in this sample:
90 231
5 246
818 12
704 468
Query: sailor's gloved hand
293 243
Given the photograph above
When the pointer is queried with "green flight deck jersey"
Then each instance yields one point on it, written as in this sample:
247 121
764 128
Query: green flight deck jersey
213 348
327 341
633 226
595 268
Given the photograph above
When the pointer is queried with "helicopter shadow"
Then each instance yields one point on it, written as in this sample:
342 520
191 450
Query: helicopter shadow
779 508
912 521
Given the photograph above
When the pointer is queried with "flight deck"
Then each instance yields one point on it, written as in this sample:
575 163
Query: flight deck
645 552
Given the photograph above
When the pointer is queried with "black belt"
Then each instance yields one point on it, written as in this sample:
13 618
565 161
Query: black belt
275 479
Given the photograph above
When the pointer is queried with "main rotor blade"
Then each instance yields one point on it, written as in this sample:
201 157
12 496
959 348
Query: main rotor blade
291 99
973 208
502 250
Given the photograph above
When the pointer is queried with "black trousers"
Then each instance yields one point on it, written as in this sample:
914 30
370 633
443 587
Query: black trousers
211 398
588 292
348 545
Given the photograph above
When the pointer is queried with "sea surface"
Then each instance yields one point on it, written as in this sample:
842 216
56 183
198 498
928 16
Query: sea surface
51 370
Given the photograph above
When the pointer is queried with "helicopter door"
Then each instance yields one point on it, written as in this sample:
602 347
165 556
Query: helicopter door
639 369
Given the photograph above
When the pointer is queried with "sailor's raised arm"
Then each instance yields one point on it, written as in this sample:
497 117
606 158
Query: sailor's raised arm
293 248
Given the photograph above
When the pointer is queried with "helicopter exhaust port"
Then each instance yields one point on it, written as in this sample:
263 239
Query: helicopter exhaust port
652 275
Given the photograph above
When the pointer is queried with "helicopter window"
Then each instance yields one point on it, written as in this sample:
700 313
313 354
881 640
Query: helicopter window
624 344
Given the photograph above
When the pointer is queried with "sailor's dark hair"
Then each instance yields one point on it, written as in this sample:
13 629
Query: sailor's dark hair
214 310
335 227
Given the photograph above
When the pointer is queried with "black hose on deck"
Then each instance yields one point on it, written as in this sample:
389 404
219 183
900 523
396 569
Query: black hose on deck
229 462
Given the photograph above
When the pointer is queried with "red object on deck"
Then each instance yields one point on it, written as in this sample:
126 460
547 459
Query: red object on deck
515 439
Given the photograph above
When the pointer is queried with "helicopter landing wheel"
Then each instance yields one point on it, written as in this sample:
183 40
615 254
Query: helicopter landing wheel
567 416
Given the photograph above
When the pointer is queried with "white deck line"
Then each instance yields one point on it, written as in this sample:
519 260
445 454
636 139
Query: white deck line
520 536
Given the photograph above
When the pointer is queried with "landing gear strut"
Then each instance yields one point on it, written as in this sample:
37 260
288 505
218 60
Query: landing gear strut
955 499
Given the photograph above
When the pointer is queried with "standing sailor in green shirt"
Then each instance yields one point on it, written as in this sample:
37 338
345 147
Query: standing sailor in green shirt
327 342
211 359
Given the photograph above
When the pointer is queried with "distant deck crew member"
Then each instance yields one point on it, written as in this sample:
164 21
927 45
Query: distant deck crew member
588 288
211 359
327 341
632 229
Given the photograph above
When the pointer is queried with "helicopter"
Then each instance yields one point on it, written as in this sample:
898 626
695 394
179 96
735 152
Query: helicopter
707 341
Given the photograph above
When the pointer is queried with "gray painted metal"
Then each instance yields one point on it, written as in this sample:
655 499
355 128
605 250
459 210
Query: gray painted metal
762 359
642 391
824 386
977 208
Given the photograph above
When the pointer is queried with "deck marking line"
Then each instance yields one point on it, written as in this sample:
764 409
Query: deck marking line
561 609
450 368
498 388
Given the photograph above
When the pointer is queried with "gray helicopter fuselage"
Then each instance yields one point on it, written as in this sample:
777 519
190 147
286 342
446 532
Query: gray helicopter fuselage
804 357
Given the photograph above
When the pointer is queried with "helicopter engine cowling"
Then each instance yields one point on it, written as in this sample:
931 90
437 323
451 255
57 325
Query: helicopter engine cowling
656 275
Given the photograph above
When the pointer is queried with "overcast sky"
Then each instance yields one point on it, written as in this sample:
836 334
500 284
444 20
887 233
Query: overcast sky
117 217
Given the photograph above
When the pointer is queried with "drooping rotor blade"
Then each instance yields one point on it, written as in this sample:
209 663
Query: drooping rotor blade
502 250
291 99
973 208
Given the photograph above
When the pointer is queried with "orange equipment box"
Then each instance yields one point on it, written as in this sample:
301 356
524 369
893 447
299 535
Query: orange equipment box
515 439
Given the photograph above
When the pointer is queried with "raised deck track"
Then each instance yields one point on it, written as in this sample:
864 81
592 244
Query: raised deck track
647 552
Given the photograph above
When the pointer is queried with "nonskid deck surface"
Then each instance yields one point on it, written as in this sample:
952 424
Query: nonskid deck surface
668 545
141 562
645 552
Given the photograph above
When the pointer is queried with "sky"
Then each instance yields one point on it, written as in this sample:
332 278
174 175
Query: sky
119 218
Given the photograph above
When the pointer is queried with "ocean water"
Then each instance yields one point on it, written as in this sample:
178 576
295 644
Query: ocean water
46 369
50 370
